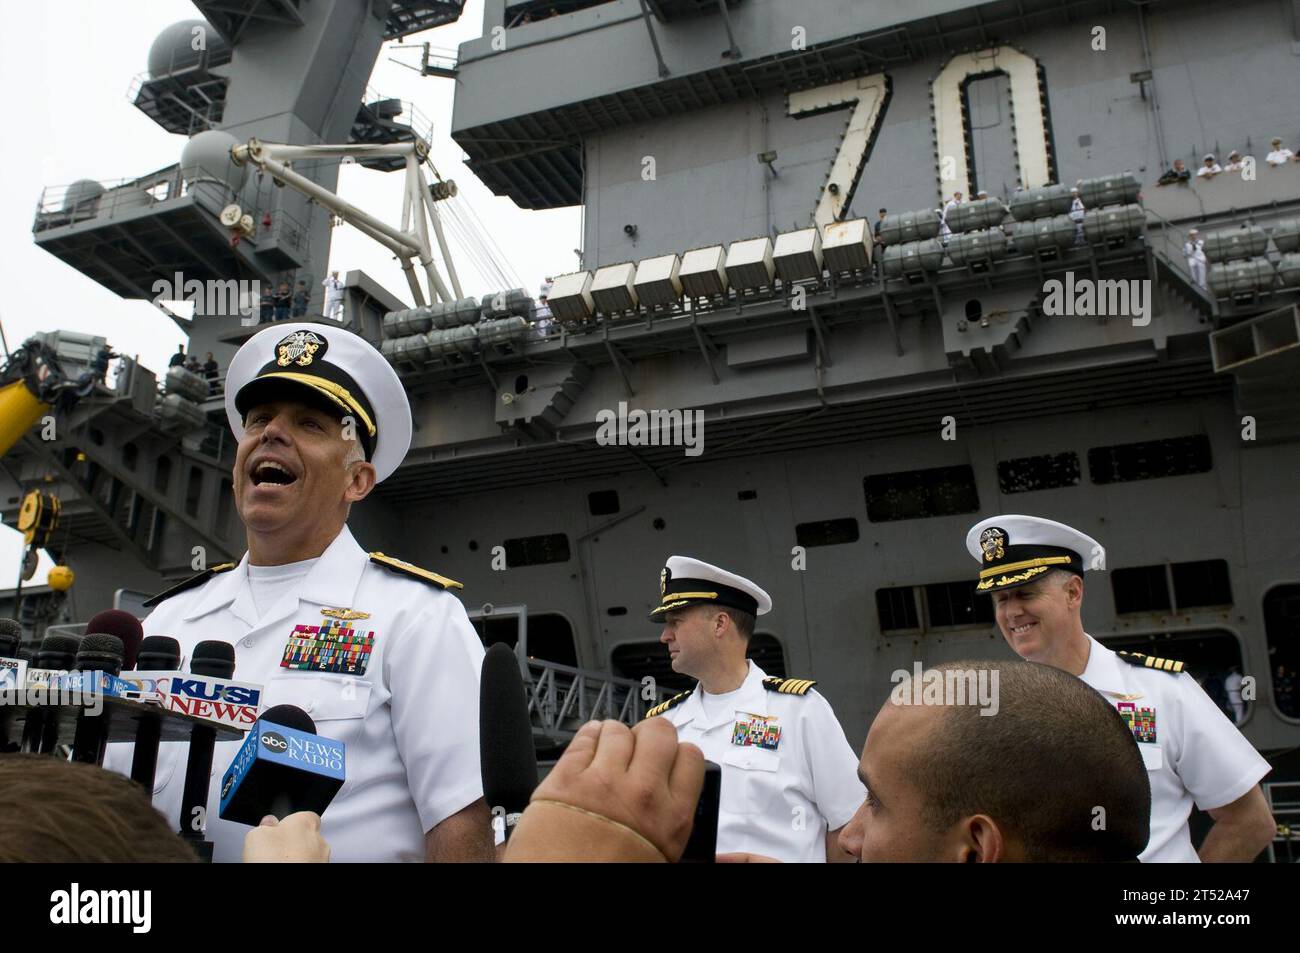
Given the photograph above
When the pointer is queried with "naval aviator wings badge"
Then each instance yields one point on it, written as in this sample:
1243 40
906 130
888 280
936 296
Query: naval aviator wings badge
1122 696
333 646
347 615
758 731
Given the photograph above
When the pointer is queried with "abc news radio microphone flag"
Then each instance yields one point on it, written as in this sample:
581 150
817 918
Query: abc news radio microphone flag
282 767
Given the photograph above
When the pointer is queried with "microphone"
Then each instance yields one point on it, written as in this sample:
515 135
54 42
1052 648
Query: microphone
283 767
121 624
99 652
209 658
507 756
11 634
13 672
156 652
53 658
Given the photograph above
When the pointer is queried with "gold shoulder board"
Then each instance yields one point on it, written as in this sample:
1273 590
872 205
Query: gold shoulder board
397 565
671 703
1150 661
789 686
193 582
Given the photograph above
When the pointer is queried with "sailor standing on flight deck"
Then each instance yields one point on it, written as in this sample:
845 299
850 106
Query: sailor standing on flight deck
789 777
1033 569
333 296
378 652
1194 251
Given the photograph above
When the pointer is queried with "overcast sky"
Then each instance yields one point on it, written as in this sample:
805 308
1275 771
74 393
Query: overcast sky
65 69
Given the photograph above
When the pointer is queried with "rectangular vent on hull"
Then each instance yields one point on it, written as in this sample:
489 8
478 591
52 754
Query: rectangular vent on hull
918 494
827 532
537 550
956 604
1140 589
1150 459
1202 583
896 609
1046 472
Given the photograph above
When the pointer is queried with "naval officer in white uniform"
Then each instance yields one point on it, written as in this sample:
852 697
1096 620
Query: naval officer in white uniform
321 418
1033 568
789 777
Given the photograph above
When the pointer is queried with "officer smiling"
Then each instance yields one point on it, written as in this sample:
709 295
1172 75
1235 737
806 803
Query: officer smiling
1033 568
375 650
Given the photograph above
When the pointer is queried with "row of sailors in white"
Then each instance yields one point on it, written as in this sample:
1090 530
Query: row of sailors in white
1279 155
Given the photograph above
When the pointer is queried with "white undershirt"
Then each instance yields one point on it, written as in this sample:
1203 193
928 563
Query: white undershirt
267 584
715 705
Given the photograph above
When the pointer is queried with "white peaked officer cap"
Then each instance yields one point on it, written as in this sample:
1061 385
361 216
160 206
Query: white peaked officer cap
330 368
686 582
1014 550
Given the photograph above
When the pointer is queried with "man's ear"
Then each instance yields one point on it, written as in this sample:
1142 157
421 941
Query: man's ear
982 841
720 620
1074 591
362 481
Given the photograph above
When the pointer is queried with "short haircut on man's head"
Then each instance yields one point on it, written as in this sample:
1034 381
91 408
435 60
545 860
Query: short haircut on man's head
742 620
1061 577
54 811
1056 767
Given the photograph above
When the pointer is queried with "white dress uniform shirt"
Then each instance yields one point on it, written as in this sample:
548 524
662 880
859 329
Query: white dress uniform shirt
1196 753
410 722
778 802
1279 156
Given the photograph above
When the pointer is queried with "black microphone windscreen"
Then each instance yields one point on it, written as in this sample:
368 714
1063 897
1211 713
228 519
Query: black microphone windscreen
290 716
9 644
123 625
57 651
506 752
99 652
11 627
158 653
214 658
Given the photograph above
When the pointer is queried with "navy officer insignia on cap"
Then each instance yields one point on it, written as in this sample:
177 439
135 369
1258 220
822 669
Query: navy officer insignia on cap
1015 550
299 347
993 543
686 582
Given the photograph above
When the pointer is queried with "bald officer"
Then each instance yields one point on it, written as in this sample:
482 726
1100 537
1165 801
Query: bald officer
1033 569
789 777
321 418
